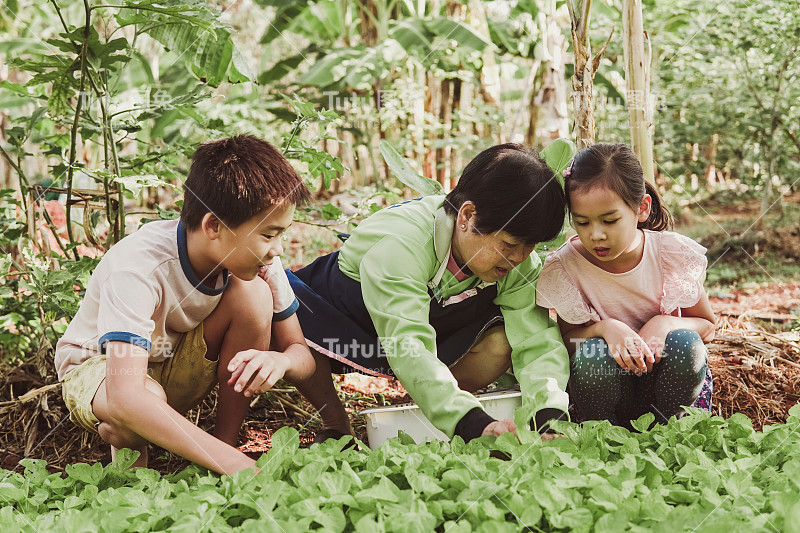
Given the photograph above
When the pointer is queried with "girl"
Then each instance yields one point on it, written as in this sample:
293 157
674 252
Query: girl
629 295
440 293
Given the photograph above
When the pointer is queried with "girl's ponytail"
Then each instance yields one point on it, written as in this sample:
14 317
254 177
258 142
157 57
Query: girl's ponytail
660 218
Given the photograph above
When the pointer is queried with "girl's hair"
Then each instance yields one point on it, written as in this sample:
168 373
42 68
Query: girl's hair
513 190
615 167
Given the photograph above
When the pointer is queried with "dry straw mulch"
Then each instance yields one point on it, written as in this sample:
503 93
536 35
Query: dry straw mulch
34 422
755 372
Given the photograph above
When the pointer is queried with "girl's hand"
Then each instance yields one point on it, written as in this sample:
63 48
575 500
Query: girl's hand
655 332
627 347
498 427
256 371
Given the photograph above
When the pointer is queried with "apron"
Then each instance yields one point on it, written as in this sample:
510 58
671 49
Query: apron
336 322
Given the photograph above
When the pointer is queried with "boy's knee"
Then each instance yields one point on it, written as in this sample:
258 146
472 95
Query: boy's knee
116 433
119 436
155 388
251 300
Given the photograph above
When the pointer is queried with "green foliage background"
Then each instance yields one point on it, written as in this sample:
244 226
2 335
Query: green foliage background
104 104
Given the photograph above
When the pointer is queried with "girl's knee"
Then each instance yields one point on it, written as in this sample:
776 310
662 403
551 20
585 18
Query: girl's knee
685 350
593 352
683 338
593 362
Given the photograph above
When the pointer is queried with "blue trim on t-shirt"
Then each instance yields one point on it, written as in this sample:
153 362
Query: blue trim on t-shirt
183 255
286 313
123 336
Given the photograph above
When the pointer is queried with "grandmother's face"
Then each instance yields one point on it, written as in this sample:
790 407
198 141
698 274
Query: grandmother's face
489 256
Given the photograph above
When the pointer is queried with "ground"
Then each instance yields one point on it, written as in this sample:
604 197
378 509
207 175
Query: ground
756 370
753 283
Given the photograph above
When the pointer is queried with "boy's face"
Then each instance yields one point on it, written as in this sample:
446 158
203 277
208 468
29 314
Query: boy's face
247 248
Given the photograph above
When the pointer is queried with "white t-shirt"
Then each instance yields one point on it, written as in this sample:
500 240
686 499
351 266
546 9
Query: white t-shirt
668 278
145 292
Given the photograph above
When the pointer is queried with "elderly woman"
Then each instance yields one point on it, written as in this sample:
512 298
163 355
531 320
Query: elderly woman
440 293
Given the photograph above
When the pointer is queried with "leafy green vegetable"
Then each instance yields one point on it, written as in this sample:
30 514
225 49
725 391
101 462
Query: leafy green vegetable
699 473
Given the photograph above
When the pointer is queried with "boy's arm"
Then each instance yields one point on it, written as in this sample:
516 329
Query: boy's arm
287 337
131 405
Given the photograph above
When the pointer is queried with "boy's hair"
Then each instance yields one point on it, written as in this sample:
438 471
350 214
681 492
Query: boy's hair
615 167
513 190
236 179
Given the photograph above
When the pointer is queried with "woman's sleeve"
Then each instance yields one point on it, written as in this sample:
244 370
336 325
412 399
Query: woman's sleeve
684 267
540 359
394 288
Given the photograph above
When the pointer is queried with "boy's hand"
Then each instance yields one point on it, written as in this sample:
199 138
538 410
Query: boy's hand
627 347
261 369
498 427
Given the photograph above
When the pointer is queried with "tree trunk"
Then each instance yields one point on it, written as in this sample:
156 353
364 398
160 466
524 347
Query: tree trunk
455 128
490 72
445 117
637 67
551 100
711 156
583 79
369 29
429 167
533 114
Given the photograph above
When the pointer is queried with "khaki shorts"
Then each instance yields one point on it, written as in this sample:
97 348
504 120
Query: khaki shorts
187 377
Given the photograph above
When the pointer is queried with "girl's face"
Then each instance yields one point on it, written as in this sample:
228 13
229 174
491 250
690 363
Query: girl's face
606 226
489 256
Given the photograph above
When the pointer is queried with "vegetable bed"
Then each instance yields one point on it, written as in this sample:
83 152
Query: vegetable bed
699 473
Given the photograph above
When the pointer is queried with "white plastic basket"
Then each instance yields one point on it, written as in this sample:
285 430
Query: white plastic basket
385 422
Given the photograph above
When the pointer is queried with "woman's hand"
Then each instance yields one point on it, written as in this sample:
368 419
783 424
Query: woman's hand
626 346
261 369
498 427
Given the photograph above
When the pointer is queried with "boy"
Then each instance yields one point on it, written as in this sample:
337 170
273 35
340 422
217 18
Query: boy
181 305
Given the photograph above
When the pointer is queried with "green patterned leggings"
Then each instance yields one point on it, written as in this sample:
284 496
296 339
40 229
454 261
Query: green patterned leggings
602 390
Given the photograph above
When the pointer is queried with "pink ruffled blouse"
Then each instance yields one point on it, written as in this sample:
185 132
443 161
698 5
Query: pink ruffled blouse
668 278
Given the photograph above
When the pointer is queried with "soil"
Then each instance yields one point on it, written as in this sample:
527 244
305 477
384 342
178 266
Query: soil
756 371
776 303
755 361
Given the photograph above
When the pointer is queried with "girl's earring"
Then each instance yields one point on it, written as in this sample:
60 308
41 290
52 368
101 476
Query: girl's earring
463 226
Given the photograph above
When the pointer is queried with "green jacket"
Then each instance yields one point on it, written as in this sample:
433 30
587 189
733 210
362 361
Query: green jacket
396 254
